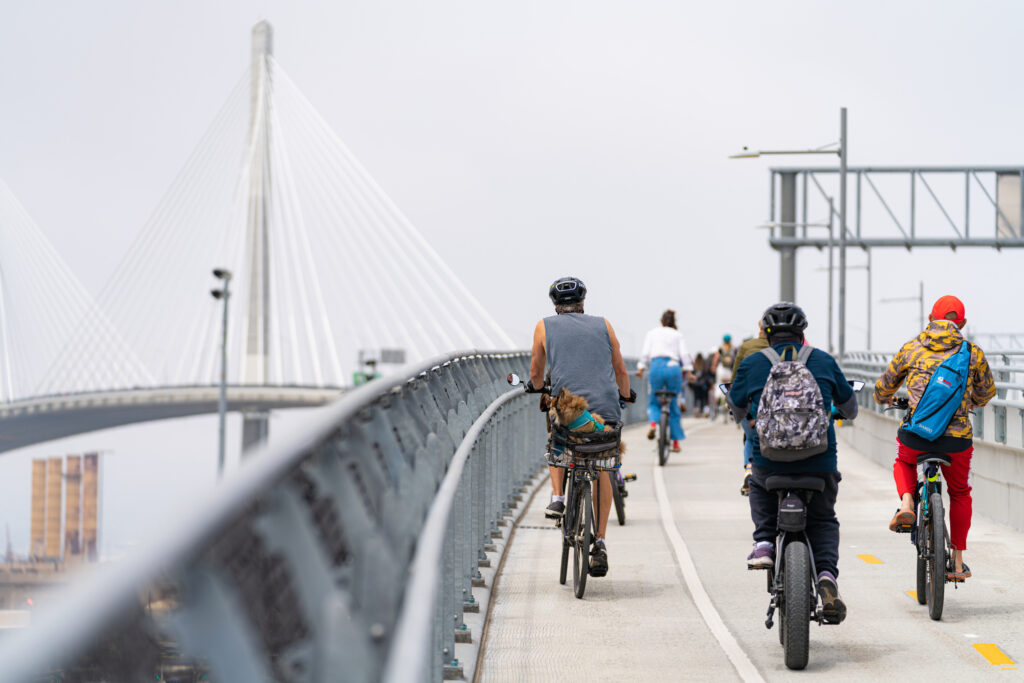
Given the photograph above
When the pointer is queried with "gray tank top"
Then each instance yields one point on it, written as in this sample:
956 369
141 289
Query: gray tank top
579 353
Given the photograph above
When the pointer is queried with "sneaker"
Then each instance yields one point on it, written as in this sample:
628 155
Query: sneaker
902 521
598 559
652 431
555 510
675 447
745 488
833 607
761 557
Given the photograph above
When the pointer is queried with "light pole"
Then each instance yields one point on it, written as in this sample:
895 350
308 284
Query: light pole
222 294
919 299
830 269
788 254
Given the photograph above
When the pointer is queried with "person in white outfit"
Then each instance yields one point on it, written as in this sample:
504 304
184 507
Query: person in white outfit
664 351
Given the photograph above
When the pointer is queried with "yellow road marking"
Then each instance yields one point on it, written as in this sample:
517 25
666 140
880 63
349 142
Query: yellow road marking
870 559
912 594
992 653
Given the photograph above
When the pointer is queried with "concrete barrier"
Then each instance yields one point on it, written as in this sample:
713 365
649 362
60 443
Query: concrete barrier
997 471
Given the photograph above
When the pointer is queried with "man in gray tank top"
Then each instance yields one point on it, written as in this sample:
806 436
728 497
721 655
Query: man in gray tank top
581 354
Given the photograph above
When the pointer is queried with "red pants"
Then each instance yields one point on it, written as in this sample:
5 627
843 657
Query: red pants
905 472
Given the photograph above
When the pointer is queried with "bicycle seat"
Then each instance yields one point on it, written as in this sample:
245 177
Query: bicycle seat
937 458
778 482
664 394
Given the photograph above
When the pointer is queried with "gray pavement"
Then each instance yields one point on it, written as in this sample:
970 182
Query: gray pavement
641 622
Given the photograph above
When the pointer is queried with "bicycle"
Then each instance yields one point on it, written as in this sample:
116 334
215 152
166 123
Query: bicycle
584 456
929 534
793 584
665 397
619 493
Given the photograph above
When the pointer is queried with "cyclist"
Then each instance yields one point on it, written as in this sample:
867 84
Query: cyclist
784 325
914 363
582 354
724 361
749 346
664 350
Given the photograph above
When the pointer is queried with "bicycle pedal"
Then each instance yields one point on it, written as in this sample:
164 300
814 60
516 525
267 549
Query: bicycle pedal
755 569
629 477
904 528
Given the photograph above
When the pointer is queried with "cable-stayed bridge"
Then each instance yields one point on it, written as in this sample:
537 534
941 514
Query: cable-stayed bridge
325 266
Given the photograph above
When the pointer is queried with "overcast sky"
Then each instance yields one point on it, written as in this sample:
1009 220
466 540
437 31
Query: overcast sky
531 140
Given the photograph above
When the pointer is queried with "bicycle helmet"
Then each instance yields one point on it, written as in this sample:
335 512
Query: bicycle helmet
567 290
784 316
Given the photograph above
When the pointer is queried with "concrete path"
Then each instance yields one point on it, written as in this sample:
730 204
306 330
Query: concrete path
643 622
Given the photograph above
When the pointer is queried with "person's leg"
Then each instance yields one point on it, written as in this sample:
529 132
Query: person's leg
823 526
653 402
674 382
557 480
764 512
602 493
904 472
960 502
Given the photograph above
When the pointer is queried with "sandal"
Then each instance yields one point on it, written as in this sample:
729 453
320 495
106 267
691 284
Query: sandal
959 577
902 521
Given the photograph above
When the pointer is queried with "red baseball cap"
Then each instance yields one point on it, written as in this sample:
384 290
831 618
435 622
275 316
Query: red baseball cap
946 305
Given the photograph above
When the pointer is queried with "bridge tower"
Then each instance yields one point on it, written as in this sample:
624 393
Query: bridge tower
257 317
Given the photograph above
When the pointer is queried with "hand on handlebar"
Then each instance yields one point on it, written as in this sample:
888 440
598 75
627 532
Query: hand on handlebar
624 400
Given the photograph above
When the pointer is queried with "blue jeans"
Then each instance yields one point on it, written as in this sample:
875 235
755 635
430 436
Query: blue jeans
748 443
665 377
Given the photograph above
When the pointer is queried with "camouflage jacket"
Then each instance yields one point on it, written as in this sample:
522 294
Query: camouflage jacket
917 360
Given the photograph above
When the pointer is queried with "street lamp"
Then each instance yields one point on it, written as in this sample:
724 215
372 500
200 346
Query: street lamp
223 294
789 227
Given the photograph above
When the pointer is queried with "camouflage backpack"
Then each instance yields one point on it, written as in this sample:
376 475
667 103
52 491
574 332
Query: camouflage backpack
791 420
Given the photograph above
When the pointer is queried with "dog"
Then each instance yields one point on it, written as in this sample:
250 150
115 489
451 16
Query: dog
571 411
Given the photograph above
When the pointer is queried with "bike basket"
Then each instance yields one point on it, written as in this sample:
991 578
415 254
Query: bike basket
792 513
599 448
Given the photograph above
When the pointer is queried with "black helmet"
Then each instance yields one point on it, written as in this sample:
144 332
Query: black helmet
784 316
567 290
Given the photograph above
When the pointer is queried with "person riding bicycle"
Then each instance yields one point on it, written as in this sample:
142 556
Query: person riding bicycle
748 347
664 350
784 325
581 354
914 364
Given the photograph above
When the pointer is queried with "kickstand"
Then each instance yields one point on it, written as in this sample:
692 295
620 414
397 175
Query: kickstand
771 611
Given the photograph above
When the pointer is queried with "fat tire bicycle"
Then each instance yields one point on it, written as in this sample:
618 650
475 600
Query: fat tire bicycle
929 533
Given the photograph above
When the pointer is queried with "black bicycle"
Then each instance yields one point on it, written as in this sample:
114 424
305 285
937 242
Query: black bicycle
619 493
585 458
665 397
929 534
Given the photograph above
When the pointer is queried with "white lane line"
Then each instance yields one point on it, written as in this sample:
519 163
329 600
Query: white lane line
744 667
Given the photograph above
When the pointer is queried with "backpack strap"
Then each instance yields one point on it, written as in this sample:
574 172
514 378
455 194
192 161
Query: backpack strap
805 354
772 355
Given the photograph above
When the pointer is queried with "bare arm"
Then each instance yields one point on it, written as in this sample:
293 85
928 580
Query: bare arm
618 365
538 357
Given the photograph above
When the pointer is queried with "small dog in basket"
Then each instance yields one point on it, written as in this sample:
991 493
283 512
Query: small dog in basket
572 412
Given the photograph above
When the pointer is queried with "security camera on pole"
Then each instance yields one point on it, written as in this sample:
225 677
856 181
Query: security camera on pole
223 294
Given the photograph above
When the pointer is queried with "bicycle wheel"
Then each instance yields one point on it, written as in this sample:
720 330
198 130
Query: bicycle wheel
796 618
663 439
936 557
581 541
620 502
567 527
922 562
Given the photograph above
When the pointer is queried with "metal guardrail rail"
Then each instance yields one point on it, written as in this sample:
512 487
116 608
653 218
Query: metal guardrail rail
1001 421
347 553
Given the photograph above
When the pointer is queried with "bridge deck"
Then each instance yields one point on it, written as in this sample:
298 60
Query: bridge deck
642 622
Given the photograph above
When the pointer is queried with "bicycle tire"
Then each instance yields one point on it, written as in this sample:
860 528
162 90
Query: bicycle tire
936 557
568 519
663 439
796 619
922 563
620 502
582 540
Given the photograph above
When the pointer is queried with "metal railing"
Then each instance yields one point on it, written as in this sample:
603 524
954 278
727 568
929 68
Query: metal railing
1001 421
348 552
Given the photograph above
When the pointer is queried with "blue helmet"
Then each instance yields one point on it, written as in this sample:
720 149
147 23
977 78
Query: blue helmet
567 290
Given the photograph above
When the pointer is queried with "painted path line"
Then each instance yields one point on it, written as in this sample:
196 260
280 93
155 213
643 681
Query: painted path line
744 667
992 653
912 594
870 559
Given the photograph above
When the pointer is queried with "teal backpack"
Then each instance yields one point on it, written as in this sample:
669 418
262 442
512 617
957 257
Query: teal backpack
942 396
